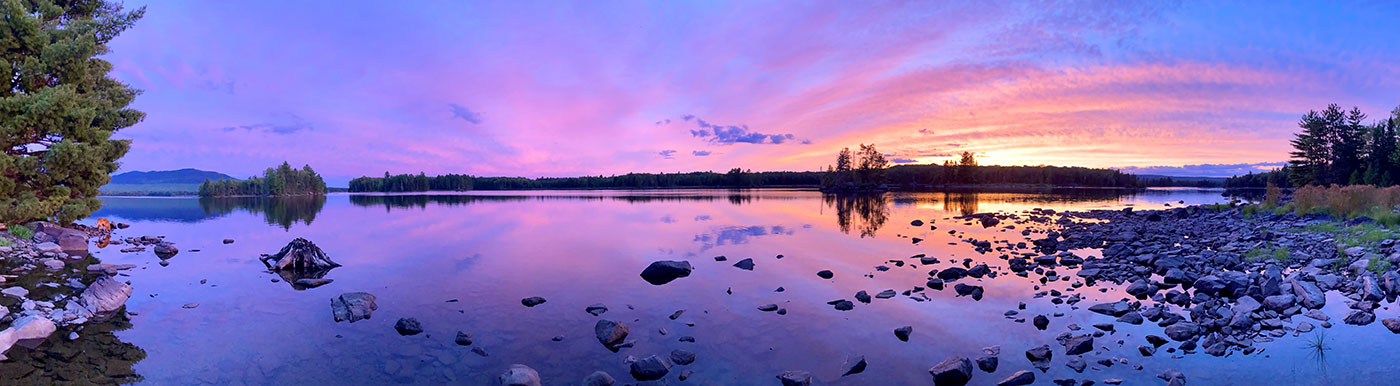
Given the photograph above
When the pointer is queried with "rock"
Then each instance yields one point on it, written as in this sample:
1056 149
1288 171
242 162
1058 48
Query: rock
53 264
1360 318
1040 357
768 307
795 378
682 357
598 378
863 297
532 301
1147 350
166 250
102 299
1278 302
886 294
1112 309
1133 318
520 375
650 368
676 315
745 264
1308 294
954 371
48 247
1040 322
1142 289
596 309
67 239
843 305
1079 345
610 333
987 363
825 274
664 271
1077 364
228 241
1217 349
353 306
854 365
917 223
16 292
1182 331
903 333
408 326
1020 378
25 328
312 283
1392 323
190 305
463 339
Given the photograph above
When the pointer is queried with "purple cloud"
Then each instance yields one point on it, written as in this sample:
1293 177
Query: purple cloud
459 111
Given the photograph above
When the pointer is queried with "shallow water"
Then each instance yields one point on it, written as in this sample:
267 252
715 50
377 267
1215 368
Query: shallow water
490 250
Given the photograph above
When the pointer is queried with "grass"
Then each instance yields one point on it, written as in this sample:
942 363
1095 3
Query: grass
1218 207
1318 345
1348 201
1268 251
22 232
4 242
1379 265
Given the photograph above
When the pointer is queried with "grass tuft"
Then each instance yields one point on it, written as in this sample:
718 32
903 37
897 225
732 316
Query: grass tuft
22 232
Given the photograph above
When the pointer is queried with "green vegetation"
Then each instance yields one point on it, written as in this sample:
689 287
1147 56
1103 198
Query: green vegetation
280 181
1337 147
411 183
1268 251
1379 265
21 232
865 174
4 242
59 108
149 189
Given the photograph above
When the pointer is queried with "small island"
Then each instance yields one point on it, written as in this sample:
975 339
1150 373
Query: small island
279 181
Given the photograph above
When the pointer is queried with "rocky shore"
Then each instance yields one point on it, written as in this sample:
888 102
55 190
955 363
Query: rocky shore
52 286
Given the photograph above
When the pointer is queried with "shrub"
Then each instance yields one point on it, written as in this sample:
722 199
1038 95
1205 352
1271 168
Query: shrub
22 232
1345 201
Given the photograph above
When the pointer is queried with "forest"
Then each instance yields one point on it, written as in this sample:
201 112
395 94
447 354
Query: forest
279 181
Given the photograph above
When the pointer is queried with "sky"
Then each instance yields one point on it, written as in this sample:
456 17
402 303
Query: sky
525 88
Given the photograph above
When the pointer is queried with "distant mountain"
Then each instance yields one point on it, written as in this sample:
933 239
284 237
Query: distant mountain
182 176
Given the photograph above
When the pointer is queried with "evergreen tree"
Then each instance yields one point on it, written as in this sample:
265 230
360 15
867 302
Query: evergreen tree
59 107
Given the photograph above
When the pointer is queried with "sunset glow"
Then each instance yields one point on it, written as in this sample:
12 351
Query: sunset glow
553 89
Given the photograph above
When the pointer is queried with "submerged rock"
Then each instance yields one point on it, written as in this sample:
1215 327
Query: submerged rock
25 328
532 301
596 309
954 371
463 339
854 365
408 326
664 271
903 333
745 264
795 378
598 378
166 250
650 368
1020 378
610 333
520 375
353 306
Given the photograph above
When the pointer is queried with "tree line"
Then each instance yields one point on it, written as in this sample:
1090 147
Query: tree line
412 183
280 181
866 170
1336 146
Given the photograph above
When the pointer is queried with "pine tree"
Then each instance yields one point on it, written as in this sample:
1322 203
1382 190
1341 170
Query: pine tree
59 107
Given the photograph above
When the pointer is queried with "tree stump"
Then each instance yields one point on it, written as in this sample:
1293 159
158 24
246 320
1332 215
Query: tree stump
299 255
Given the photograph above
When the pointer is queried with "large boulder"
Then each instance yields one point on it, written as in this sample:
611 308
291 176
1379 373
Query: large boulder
610 333
353 306
650 368
954 371
25 328
520 375
664 271
70 240
103 298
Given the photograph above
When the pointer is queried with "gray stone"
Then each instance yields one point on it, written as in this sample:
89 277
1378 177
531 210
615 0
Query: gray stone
1020 378
795 378
650 368
353 306
25 328
520 375
610 333
664 271
599 378
1079 345
953 371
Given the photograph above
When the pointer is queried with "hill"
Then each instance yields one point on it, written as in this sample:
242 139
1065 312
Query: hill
160 182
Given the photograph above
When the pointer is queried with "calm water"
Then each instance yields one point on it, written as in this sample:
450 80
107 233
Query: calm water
490 250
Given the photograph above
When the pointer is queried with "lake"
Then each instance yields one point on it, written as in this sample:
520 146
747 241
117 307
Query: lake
463 262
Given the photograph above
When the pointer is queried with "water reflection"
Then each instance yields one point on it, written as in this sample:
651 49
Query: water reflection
96 357
281 211
872 210
422 201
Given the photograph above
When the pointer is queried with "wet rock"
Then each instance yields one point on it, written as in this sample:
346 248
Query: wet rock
953 273
825 274
532 301
664 271
1147 350
650 368
596 309
768 307
676 315
610 333
1392 323
795 378
863 297
1308 294
1142 289
745 264
954 371
1133 318
190 306
1360 318
974 291
1278 302
886 294
353 306
1079 345
854 365
166 250
1077 364
1112 309
408 326
1020 378
1040 322
102 299
463 339
520 375
843 305
1182 331
25 328
598 378
987 363
903 333
1040 357
682 357
228 241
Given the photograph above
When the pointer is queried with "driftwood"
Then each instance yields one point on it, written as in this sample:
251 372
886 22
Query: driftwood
299 255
